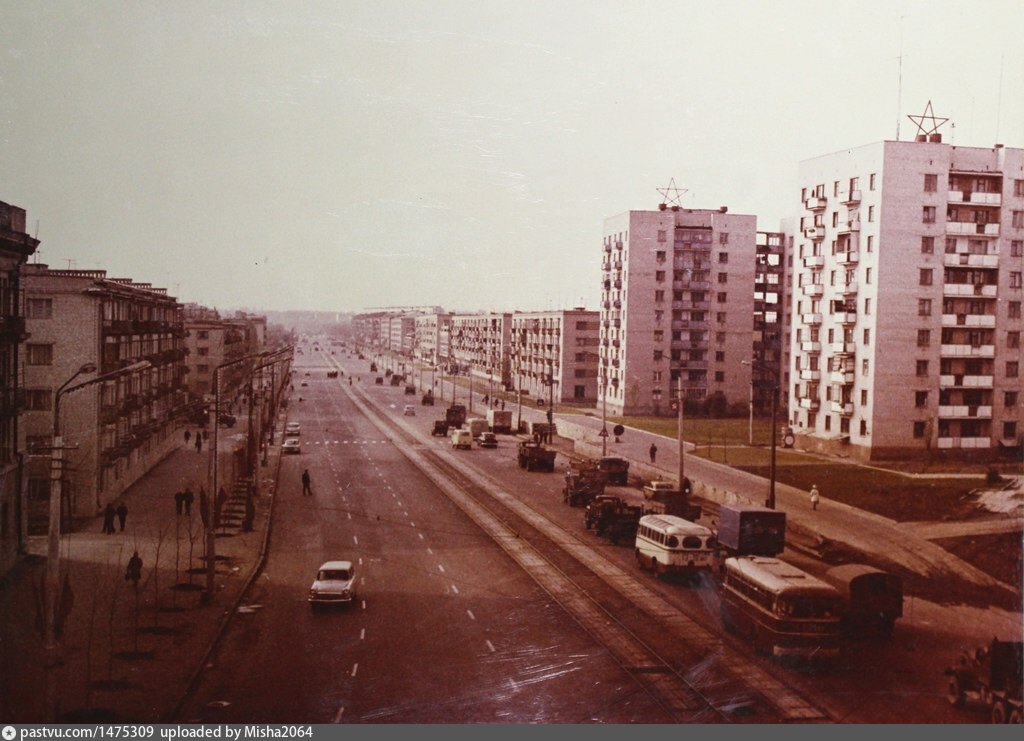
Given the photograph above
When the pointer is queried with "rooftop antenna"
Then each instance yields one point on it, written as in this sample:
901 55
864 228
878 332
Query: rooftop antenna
70 262
672 196
899 83
999 99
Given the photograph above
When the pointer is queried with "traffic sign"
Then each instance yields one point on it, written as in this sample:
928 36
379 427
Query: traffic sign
603 432
617 430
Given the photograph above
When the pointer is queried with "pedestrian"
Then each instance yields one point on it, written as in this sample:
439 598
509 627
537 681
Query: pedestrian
188 436
503 405
188 497
199 443
307 490
654 452
108 519
122 514
179 502
134 571
815 497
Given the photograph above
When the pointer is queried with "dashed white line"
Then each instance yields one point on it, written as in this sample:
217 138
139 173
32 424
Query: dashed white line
471 615
412 524
490 646
355 668
360 560
421 535
341 712
364 604
349 515
440 568
355 539
455 589
362 635
430 550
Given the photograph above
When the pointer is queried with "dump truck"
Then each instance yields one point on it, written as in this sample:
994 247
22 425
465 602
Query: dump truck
582 485
992 677
499 420
616 468
748 530
455 415
535 457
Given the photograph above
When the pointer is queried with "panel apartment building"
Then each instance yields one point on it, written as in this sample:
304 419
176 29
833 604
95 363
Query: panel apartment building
479 345
677 304
558 344
907 300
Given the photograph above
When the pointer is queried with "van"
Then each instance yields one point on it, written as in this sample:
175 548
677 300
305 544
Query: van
477 425
462 439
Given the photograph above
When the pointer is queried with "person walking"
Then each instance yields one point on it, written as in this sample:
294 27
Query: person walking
199 443
188 436
109 513
179 502
307 490
815 497
654 452
122 514
188 497
134 571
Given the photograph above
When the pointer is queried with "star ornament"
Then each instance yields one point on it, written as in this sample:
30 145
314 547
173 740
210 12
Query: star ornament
928 116
672 195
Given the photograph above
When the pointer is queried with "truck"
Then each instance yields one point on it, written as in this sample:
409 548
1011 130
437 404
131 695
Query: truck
597 505
476 425
616 468
872 599
428 399
748 530
440 428
455 415
499 420
992 677
535 457
667 500
539 428
582 485
618 522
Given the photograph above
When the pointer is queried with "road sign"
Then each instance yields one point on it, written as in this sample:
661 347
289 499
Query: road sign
617 430
603 432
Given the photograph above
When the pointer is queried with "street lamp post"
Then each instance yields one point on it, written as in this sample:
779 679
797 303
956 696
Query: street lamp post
770 502
682 444
604 412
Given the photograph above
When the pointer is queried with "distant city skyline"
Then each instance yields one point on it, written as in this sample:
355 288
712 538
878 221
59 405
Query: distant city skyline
335 157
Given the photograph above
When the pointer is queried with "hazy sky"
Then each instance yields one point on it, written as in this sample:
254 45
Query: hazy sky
345 155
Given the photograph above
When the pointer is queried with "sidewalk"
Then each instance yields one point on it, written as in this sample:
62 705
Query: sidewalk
112 671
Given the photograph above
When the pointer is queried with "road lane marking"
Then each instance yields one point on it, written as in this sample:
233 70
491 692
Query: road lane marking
471 615
490 646
362 634
364 604
455 589
355 539
349 515
441 568
341 711
431 552
421 535
412 524
360 560
355 668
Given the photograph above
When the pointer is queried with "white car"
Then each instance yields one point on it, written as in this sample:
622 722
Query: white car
409 411
291 445
292 429
335 583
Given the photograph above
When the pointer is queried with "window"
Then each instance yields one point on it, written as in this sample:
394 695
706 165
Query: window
950 245
203 351
660 255
922 368
871 243
1015 279
1013 309
39 354
1010 398
723 277
1012 368
39 308
1013 339
658 355
867 307
1018 188
924 277
927 245
722 296
919 429
867 276
924 307
202 368
1017 248
723 257
202 334
871 181
871 214
1009 430
719 376
931 183
659 295
719 356
720 338
662 236
835 221
659 276
865 367
38 400
924 337
657 376
1017 220
928 215
723 238
863 427
864 397
867 336
720 317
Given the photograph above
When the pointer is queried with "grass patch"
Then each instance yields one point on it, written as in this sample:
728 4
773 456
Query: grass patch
999 554
702 431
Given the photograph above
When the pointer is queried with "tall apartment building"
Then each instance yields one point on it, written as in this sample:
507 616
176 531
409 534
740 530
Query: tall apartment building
479 344
15 248
907 300
677 306
403 333
771 338
430 344
212 341
558 344
118 429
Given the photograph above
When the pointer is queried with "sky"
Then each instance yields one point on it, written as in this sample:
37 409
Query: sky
342 156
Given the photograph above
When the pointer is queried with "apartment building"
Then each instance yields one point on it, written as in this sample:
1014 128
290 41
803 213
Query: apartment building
556 344
770 350
677 307
16 246
431 337
114 431
907 300
479 345
402 333
211 342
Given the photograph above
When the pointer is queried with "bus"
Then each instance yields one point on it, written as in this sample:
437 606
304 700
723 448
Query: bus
667 544
783 610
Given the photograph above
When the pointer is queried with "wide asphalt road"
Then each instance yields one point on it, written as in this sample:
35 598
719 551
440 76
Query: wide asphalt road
447 628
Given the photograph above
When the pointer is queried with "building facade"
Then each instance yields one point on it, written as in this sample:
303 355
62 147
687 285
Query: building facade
211 342
15 248
907 300
431 333
677 307
770 374
479 345
562 344
113 432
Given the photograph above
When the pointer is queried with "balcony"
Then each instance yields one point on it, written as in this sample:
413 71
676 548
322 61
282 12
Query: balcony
607 304
815 203
842 407
981 290
814 290
844 289
850 197
810 404
843 348
845 317
970 261
810 318
957 380
981 199
814 261
617 323
968 351
851 225
947 443
608 247
964 411
810 347
842 377
810 375
968 320
970 228
816 231
851 257
617 283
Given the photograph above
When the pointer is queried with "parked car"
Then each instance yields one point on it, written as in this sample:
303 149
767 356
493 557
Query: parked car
487 440
335 584
291 445
409 410
292 429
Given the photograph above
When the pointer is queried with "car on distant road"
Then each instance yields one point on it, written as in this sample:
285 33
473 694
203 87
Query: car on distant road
292 429
409 410
303 384
291 445
487 440
335 584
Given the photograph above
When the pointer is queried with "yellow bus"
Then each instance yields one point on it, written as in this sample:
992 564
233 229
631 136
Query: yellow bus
667 544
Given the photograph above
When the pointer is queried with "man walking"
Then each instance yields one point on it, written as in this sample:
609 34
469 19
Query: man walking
109 513
122 514
307 490
188 497
654 452
134 571
199 442
188 436
814 496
